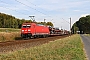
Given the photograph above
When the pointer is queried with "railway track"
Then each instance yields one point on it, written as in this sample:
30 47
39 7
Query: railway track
6 47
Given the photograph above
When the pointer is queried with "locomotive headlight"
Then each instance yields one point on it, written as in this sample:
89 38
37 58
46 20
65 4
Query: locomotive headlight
29 30
25 30
22 30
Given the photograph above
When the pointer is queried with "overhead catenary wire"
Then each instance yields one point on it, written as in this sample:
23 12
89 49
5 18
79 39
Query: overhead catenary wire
37 6
8 8
31 8
31 3
12 9
24 9
66 21
27 6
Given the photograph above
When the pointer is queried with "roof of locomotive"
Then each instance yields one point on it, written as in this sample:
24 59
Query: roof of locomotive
32 24
29 23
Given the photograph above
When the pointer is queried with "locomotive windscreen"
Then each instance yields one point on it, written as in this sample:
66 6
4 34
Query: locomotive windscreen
26 26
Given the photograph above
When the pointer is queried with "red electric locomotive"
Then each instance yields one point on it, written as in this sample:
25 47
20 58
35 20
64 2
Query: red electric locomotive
34 30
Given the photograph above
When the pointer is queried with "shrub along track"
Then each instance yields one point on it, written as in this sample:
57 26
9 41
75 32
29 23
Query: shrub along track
11 46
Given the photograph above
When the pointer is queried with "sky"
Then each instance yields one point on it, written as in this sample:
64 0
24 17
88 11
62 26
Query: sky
58 12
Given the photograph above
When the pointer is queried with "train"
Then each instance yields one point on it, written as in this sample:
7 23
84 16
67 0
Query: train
34 30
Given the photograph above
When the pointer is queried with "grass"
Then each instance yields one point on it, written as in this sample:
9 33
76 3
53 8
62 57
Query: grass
9 30
9 36
70 48
87 34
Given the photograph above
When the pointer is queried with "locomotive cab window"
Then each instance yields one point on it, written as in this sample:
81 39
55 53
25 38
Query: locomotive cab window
26 26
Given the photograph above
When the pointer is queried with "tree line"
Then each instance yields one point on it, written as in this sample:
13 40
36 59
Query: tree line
82 26
9 21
